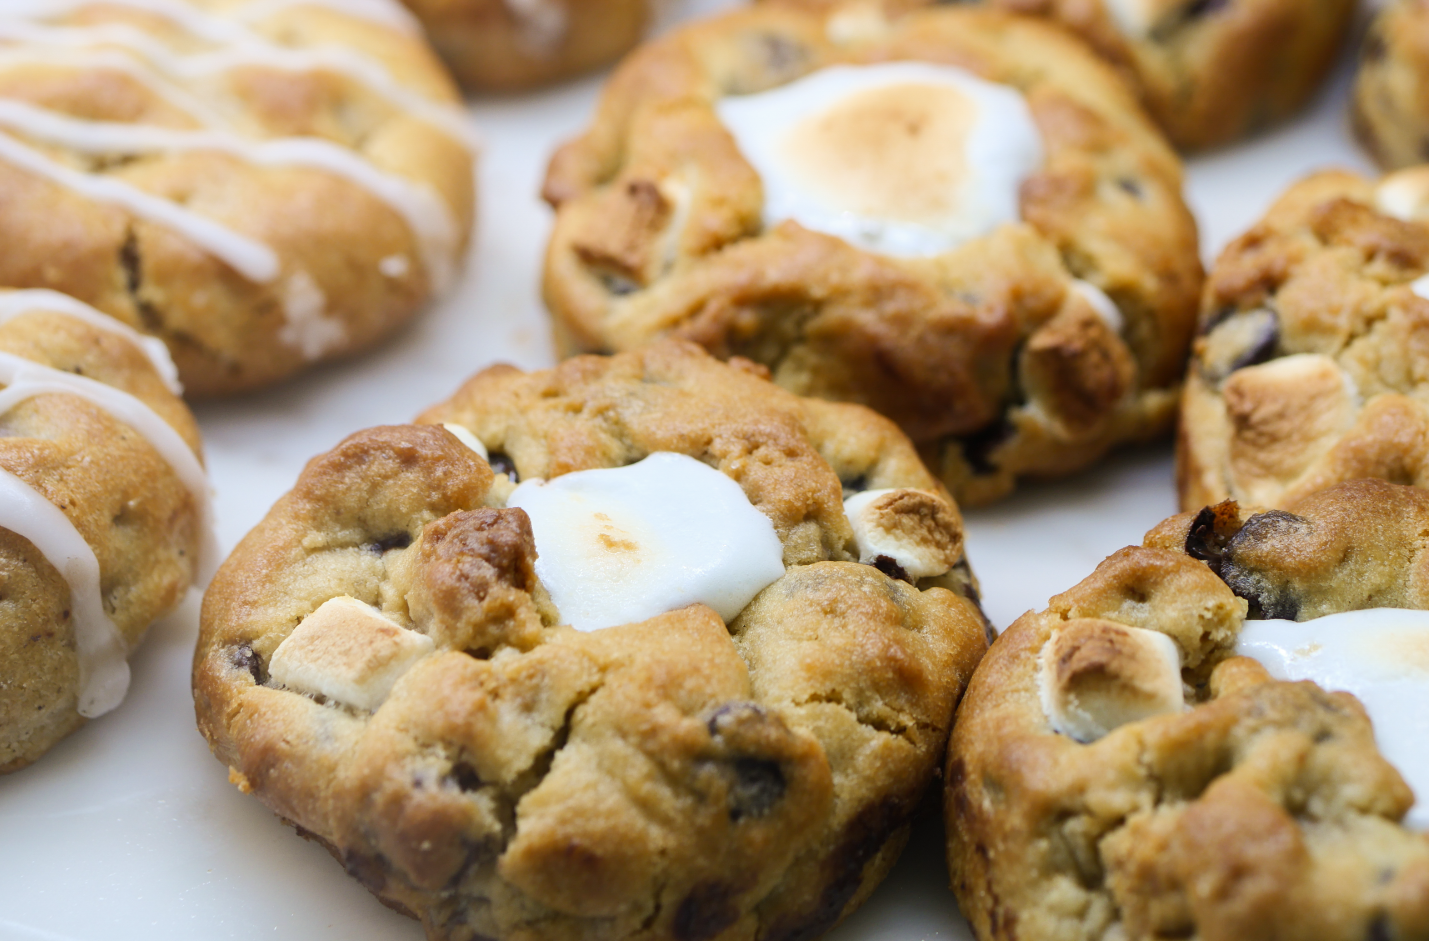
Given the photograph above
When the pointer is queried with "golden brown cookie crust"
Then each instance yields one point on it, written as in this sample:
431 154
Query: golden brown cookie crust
1311 365
1263 811
510 45
123 498
1391 93
672 778
984 355
352 269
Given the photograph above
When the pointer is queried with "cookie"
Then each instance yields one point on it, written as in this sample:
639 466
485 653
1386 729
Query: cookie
1147 758
262 185
1391 91
1311 360
104 513
960 219
1210 72
601 651
509 45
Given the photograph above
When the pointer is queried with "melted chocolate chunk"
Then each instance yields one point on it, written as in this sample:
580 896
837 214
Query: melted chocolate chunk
386 543
1269 598
978 446
856 485
758 786
501 464
708 909
464 776
889 566
1211 531
244 658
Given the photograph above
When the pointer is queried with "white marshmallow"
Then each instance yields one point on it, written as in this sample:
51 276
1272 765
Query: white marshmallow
1104 306
909 529
1381 656
348 652
1420 287
624 544
467 438
1095 676
1137 18
1404 194
903 158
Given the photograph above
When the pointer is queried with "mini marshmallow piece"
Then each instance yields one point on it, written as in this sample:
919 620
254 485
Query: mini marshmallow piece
348 652
621 545
1104 306
1095 676
1381 656
467 438
918 531
904 158
1404 194
1420 287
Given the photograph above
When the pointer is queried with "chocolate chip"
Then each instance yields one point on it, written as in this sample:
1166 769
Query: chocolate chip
889 566
394 541
1202 8
856 485
1130 186
1380 928
1246 338
464 776
758 787
706 911
1211 531
1268 598
978 446
245 659
731 714
502 464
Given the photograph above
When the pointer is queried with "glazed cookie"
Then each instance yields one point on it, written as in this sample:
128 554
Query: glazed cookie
1312 366
1208 71
1391 94
104 512
262 184
506 45
960 219
1144 759
640 646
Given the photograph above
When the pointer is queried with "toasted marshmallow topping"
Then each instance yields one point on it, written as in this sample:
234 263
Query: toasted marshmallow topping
1381 656
1097 675
918 531
904 158
624 544
348 652
1404 194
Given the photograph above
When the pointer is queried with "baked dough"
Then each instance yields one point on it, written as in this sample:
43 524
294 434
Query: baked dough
1311 366
104 513
1028 351
1391 93
263 184
677 777
1258 809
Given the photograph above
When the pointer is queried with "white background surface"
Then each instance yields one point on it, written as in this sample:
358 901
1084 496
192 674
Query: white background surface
129 829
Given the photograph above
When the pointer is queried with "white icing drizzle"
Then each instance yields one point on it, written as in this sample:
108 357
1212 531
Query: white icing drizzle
15 303
424 212
24 379
383 12
116 60
254 260
99 647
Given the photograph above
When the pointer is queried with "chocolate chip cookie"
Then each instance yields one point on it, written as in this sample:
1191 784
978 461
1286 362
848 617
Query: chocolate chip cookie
104 513
395 659
1143 760
1391 94
263 186
959 218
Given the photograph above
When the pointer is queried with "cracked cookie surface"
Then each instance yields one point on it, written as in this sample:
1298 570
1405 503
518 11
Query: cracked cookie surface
1311 365
1259 808
261 186
509 45
990 355
120 495
678 777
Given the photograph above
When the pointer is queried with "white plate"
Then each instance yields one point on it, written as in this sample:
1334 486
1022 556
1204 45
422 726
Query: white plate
129 829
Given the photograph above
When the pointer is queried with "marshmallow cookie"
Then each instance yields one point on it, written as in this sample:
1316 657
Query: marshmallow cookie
1391 93
961 220
262 184
640 646
1172 750
104 512
508 45
1208 71
1312 364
